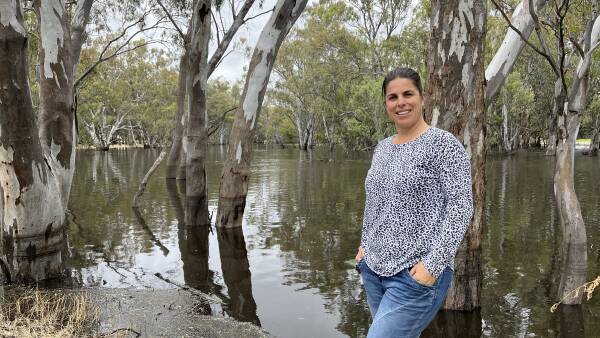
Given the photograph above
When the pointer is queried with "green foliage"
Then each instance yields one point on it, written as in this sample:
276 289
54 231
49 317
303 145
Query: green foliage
134 92
330 70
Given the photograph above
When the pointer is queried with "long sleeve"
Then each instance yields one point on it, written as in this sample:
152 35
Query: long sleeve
455 178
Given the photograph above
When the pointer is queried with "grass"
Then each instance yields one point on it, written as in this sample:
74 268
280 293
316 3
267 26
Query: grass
35 313
587 288
584 141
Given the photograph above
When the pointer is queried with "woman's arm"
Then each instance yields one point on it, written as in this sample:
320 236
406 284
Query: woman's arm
455 177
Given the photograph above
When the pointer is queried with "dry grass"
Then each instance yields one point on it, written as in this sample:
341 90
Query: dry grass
587 288
35 313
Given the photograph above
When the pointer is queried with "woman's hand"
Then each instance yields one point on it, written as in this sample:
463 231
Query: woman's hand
421 275
360 254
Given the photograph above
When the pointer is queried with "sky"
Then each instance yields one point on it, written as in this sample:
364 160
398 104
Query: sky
232 67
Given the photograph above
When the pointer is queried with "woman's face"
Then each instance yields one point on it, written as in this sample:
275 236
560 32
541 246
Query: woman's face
404 103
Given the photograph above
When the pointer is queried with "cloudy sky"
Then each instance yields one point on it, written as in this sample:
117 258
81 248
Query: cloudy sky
231 68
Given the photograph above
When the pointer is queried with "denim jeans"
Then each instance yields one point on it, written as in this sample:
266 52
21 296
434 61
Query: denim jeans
400 306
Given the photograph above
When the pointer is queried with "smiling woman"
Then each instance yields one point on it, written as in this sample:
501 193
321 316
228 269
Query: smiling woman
418 206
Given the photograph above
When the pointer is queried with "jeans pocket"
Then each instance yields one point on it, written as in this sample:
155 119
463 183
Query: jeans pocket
428 287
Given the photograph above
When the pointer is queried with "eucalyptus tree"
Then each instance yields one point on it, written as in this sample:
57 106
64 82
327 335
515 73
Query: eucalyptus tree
176 164
235 174
376 21
456 103
570 96
37 162
130 94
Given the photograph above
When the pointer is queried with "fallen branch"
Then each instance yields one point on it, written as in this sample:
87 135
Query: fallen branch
203 296
142 187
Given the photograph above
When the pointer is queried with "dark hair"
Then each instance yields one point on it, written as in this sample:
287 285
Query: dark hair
404 73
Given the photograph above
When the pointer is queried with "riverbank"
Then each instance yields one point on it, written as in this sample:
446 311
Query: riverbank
133 313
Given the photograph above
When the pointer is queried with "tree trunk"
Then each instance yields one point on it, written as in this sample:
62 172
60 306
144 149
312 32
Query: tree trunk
196 195
234 177
506 56
176 162
574 241
595 143
178 120
552 118
506 142
457 87
56 117
32 210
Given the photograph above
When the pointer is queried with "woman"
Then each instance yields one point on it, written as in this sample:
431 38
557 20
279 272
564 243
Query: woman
418 206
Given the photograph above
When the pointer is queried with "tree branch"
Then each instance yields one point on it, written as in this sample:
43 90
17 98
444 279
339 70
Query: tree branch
516 30
216 124
538 32
171 19
238 20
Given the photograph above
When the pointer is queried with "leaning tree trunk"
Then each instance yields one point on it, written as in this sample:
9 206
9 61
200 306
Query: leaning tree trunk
507 54
32 210
196 196
456 103
234 177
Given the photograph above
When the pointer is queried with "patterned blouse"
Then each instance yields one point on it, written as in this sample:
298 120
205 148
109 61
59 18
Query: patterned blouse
418 203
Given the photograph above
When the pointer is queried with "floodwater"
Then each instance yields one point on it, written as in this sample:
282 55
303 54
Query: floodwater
291 269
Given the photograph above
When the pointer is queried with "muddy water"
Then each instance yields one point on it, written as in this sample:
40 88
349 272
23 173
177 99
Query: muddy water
290 270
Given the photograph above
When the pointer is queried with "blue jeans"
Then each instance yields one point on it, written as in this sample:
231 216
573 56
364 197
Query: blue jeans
400 306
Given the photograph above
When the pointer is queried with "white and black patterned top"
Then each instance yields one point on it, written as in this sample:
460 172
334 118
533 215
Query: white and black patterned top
418 203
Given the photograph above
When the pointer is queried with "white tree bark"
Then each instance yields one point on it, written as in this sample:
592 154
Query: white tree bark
506 56
234 177
32 210
456 87
574 243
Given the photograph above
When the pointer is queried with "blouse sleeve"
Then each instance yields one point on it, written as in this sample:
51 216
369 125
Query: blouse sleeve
455 178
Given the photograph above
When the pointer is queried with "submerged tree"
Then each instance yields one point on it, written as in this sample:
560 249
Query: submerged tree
37 162
236 170
570 97
456 94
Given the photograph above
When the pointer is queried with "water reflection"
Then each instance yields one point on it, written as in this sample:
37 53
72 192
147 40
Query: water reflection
194 248
302 227
236 274
571 321
455 324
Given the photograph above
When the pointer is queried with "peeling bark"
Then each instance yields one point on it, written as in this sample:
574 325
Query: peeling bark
456 103
32 210
56 117
235 174
176 166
